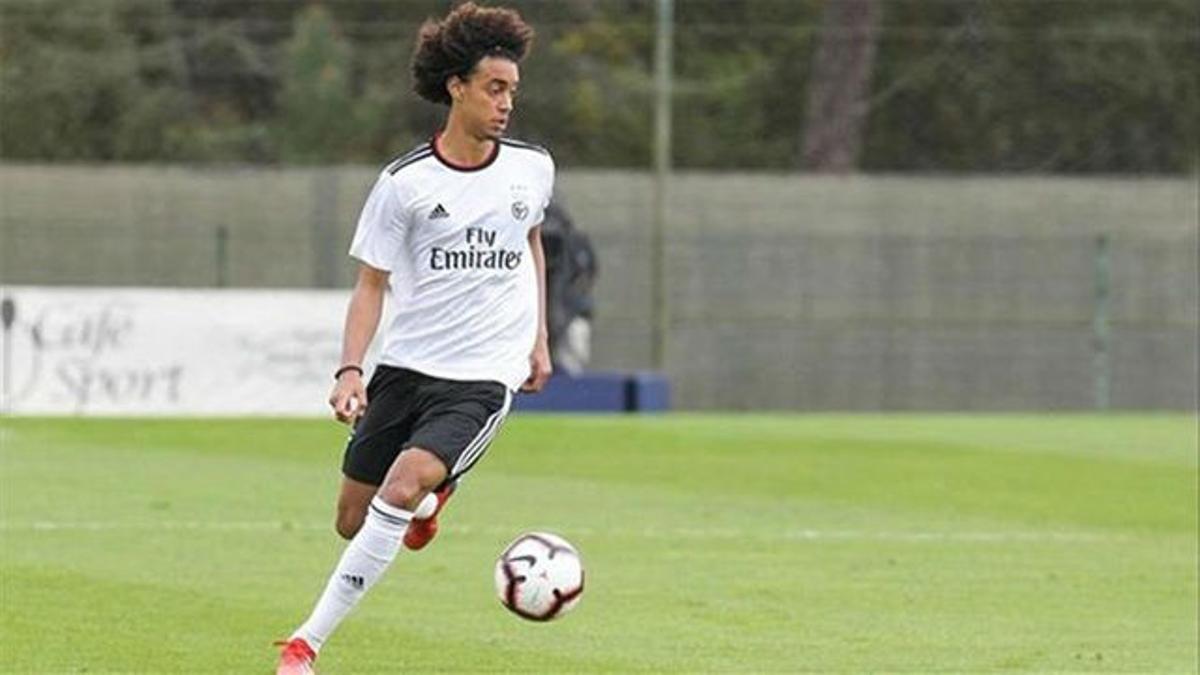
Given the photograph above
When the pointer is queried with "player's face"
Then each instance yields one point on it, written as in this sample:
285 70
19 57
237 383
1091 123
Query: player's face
487 96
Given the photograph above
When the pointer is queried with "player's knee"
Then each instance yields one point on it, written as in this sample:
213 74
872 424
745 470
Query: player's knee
404 494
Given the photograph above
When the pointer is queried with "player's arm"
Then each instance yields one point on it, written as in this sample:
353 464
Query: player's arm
539 360
349 397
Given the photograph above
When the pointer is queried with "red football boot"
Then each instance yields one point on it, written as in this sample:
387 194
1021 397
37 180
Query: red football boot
296 658
421 531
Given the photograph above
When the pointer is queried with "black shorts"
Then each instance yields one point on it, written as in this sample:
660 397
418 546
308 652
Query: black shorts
405 409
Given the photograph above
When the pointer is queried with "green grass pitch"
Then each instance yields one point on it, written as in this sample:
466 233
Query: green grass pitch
712 543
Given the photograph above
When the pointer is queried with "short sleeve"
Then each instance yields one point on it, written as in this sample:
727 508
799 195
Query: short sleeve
381 226
547 190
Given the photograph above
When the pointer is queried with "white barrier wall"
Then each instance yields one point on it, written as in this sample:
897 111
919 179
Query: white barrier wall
123 351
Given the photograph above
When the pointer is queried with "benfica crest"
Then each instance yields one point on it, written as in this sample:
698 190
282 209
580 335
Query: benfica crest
520 210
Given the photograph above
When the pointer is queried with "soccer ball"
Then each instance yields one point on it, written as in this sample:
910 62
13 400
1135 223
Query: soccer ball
539 576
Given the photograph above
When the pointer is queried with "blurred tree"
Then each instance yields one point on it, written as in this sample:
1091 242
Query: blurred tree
317 113
589 90
1017 86
76 80
233 85
956 85
741 70
839 86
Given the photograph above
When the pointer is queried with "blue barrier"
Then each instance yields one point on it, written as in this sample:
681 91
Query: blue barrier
600 392
647 392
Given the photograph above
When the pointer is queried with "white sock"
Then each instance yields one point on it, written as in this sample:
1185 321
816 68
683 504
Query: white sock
364 562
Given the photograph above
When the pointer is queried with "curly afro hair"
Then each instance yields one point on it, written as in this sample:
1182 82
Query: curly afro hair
454 45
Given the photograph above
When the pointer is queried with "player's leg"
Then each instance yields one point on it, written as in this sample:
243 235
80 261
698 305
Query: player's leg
424 525
413 474
370 452
353 499
458 428
450 434
374 444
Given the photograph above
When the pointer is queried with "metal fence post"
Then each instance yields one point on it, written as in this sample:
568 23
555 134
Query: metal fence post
222 256
1101 330
662 171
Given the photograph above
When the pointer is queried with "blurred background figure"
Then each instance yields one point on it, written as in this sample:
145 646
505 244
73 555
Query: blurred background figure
570 277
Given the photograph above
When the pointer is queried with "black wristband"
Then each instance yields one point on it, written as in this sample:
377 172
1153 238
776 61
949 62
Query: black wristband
337 374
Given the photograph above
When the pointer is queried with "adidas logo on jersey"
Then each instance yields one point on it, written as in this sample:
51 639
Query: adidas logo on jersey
439 211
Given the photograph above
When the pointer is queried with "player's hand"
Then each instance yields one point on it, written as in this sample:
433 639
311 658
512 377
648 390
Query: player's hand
349 397
539 368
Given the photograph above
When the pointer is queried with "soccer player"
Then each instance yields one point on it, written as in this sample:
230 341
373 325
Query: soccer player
452 228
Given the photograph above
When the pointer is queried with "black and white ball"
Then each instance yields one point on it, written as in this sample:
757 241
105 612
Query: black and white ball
539 576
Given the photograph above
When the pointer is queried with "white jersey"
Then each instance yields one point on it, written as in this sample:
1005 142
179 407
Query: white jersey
463 280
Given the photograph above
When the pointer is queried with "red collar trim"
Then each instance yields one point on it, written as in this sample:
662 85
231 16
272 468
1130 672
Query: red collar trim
463 167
